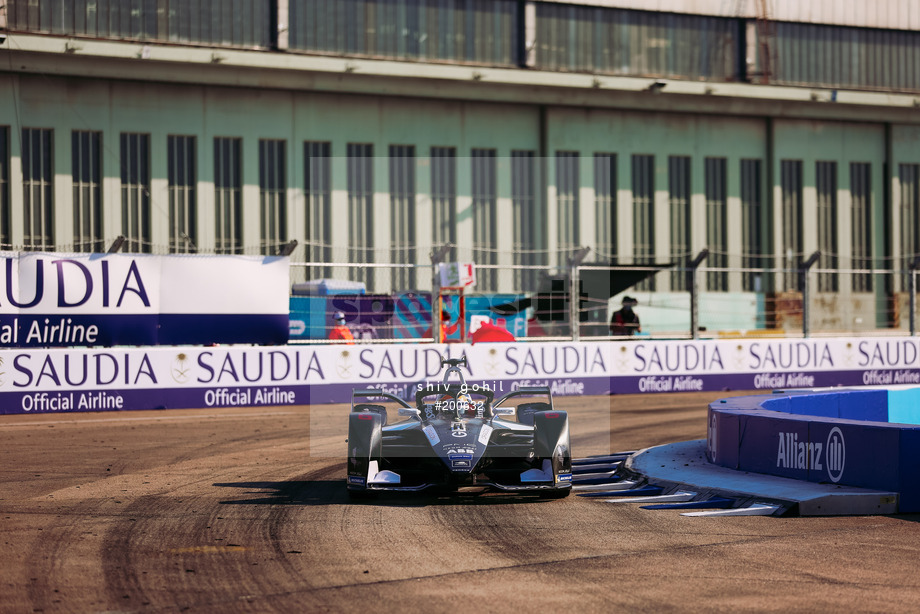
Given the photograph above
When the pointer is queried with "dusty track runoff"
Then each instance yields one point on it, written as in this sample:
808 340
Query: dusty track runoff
244 510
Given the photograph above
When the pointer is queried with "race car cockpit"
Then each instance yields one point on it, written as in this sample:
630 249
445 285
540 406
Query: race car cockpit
455 400
460 407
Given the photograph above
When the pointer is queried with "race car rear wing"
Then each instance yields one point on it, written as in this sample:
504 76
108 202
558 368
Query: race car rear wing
527 391
524 391
375 393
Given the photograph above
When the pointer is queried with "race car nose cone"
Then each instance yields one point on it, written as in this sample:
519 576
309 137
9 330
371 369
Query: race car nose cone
460 462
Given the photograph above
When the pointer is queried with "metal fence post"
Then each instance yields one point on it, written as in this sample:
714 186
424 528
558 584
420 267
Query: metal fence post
695 292
574 261
806 292
437 256
912 286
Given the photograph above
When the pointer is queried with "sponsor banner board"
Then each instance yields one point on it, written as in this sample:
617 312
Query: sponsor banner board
102 300
40 380
763 364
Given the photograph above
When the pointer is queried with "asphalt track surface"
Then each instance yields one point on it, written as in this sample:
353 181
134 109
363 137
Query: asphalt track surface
244 510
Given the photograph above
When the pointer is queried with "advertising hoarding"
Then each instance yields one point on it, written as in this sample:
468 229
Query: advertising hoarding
88 379
81 300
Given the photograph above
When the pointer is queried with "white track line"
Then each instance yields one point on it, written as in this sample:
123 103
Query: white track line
626 485
602 466
759 509
678 497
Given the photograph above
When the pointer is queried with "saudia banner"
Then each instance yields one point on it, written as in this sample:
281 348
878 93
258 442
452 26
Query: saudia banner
680 366
51 380
69 300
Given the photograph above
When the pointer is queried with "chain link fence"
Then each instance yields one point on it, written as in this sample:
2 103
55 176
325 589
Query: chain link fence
397 302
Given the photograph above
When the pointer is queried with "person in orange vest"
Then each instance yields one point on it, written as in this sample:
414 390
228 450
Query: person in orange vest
446 327
341 332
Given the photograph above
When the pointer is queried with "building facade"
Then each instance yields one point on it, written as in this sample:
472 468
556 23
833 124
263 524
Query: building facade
374 131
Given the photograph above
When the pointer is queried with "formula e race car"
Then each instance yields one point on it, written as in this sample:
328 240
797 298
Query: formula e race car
456 435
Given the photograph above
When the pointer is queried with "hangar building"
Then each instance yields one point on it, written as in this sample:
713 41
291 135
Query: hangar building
372 131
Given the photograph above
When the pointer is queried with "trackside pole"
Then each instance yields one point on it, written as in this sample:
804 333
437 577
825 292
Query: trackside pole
912 281
437 256
574 261
694 286
806 292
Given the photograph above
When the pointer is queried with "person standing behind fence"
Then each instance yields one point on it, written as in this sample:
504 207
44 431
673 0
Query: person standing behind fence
625 321
341 332
446 327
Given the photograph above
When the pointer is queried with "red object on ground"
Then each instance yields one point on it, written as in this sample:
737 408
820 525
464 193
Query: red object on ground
488 332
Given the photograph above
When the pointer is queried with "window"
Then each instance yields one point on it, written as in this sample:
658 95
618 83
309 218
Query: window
485 199
318 193
826 180
402 215
87 192
242 23
477 31
228 195
753 228
847 57
861 198
182 176
679 203
605 205
527 232
629 42
567 214
37 189
716 223
791 181
361 209
643 189
135 191
6 236
444 198
909 175
272 195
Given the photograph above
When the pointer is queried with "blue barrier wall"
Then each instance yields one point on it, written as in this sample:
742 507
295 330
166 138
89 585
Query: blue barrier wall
904 405
861 438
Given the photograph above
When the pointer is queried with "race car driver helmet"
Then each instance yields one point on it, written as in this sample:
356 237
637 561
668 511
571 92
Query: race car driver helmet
462 405
465 406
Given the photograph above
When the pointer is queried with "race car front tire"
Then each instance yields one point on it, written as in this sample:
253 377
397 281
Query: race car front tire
551 442
365 444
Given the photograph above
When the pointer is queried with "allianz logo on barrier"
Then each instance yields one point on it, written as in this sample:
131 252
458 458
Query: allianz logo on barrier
795 454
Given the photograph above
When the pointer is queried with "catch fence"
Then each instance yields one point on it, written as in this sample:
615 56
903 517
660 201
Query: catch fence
397 302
